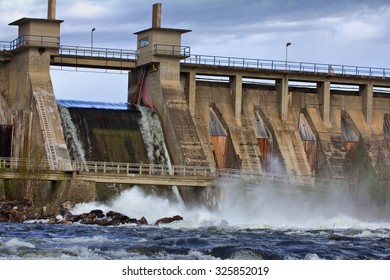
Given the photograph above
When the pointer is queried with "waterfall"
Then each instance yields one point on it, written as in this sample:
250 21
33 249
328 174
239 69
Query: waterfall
112 132
153 136
75 147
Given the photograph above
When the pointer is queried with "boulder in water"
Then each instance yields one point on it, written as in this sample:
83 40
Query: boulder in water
143 221
168 220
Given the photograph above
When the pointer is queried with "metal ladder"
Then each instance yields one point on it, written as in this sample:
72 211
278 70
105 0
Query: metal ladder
49 142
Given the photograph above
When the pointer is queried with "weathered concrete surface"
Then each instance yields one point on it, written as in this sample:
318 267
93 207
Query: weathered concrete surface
27 92
245 153
373 138
49 194
331 147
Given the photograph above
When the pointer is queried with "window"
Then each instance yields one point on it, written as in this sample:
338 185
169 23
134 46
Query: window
143 42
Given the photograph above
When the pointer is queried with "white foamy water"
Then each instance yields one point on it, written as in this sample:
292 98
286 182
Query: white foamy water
16 243
153 136
71 135
260 208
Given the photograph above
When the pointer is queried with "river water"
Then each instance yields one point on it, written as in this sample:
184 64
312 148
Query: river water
255 226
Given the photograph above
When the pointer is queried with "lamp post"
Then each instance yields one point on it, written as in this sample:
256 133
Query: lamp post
287 44
93 29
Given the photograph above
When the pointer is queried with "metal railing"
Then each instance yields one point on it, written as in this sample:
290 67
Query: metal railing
98 52
172 50
35 40
143 169
184 51
289 66
5 46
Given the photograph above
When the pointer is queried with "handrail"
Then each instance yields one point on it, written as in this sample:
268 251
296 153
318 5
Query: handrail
98 52
280 65
172 50
208 60
5 46
35 40
144 169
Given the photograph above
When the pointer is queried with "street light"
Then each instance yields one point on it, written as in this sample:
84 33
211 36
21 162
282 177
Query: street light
93 29
288 44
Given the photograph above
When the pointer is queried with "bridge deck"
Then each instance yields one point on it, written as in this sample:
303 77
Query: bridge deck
100 58
146 174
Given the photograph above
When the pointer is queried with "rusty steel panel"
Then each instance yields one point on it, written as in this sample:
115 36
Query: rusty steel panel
265 145
311 153
220 150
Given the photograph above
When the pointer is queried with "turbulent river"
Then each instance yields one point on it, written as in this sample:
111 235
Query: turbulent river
255 226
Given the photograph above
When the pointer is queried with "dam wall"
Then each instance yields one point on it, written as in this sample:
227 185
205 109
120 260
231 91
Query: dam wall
235 116
335 141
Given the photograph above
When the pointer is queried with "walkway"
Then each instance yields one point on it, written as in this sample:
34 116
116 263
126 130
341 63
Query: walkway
122 59
146 174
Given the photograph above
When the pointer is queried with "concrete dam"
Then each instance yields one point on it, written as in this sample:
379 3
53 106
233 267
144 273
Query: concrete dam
255 116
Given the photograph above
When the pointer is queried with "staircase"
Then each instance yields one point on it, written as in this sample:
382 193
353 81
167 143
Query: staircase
49 141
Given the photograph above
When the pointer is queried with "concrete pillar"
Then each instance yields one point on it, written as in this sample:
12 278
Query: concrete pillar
192 92
236 86
367 93
323 89
2 190
282 90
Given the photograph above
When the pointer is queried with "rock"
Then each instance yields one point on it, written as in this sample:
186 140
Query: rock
121 218
98 213
65 212
68 205
168 220
143 221
73 218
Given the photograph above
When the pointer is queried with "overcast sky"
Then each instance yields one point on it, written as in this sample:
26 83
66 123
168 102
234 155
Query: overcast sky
349 32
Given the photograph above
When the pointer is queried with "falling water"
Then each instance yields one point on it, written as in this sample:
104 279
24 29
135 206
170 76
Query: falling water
75 146
153 136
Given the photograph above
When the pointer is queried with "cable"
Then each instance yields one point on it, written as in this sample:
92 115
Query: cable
38 7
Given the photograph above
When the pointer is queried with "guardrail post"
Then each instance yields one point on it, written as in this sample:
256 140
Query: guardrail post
150 169
104 167
118 170
127 168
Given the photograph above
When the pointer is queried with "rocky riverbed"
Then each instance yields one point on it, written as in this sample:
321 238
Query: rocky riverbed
21 211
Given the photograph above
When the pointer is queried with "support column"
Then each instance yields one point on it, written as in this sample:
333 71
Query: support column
192 92
236 86
2 190
323 89
282 90
367 94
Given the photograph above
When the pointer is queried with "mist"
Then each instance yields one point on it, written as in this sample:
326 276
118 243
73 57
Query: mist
256 205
